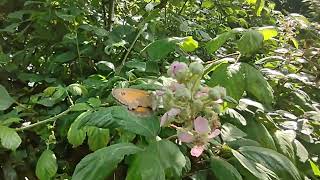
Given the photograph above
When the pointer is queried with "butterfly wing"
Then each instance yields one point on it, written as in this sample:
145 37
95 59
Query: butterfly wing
133 98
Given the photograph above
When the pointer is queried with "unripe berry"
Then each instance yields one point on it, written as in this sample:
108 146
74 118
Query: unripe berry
183 93
196 68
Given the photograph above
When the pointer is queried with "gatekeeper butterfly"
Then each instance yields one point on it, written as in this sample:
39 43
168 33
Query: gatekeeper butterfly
138 101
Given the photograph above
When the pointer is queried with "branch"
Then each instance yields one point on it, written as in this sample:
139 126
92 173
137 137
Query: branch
111 14
44 121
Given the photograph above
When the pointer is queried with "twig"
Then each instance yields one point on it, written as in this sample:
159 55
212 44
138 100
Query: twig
78 51
130 48
182 8
45 121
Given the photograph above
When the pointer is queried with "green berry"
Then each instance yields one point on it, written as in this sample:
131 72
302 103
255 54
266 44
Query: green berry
196 68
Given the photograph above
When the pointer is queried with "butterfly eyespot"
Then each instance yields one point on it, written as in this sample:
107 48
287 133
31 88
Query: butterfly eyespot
123 93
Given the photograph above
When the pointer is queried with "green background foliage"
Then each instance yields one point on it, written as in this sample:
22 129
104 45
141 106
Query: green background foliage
60 59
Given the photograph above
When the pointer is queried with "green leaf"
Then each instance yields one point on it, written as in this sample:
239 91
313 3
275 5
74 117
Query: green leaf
268 32
284 141
9 138
101 163
80 107
258 132
259 7
272 160
229 77
224 170
234 116
214 44
5 99
257 85
77 136
118 116
161 48
315 168
189 44
230 132
301 152
295 42
65 57
160 160
47 165
97 137
250 42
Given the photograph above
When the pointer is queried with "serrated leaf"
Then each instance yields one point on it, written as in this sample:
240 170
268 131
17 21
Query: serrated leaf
47 165
235 116
97 137
9 138
224 170
284 141
118 116
80 107
160 160
250 42
258 132
101 163
257 85
272 160
5 99
301 152
214 44
230 132
229 77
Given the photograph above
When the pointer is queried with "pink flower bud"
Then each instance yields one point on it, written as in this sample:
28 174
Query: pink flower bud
174 86
214 133
185 137
176 68
170 114
201 125
197 150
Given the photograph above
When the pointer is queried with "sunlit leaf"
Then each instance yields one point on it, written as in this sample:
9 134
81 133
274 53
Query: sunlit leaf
250 42
224 170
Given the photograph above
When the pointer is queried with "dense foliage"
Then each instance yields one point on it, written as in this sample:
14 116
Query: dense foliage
258 59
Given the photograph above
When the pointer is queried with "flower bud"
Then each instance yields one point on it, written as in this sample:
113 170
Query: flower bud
196 68
178 70
198 105
183 93
214 93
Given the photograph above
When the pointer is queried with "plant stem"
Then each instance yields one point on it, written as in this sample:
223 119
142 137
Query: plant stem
130 48
78 51
45 121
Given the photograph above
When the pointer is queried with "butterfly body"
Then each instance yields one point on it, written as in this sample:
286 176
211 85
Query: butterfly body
138 101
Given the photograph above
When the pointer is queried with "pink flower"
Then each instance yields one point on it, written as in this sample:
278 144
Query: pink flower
176 67
170 114
214 133
201 125
197 150
185 137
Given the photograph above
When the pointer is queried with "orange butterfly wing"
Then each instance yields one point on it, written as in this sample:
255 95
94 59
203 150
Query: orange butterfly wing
133 98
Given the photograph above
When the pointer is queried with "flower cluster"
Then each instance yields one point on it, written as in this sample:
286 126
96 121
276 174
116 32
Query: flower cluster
192 108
